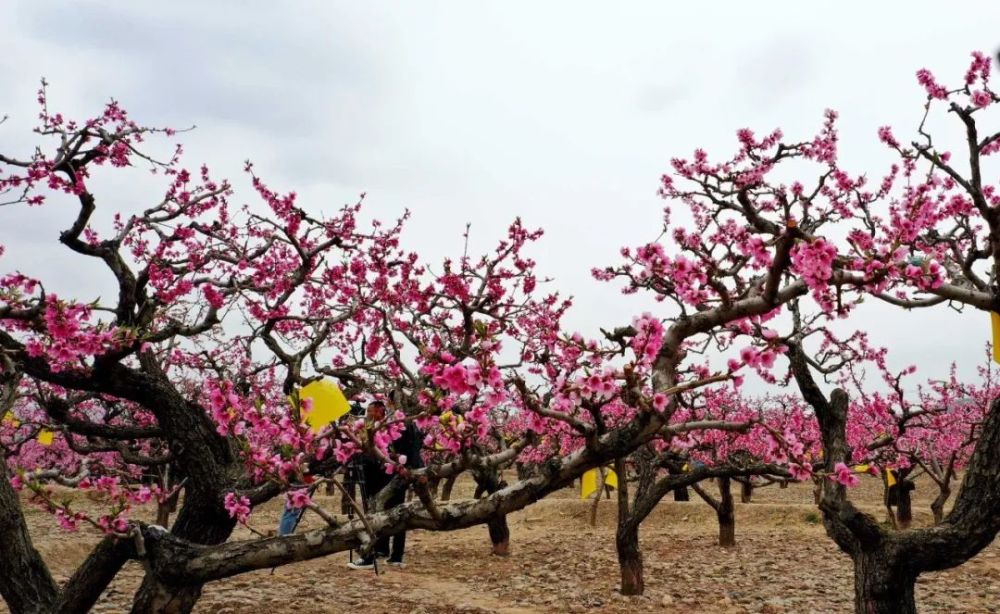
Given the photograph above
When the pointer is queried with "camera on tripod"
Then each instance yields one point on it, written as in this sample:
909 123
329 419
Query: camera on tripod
354 481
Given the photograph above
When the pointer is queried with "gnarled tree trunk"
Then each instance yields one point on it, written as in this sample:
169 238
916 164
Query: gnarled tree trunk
887 563
726 514
629 557
725 510
201 521
882 585
25 582
627 531
937 506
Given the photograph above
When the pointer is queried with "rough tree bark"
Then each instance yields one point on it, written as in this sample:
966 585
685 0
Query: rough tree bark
627 537
25 581
882 585
169 505
937 505
726 513
201 521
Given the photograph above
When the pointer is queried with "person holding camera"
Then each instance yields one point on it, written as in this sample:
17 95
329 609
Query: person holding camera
409 444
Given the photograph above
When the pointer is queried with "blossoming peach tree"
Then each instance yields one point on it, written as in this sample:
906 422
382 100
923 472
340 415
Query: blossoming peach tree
219 316
926 237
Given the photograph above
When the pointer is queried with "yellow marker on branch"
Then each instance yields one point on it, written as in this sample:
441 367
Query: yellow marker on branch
46 437
995 321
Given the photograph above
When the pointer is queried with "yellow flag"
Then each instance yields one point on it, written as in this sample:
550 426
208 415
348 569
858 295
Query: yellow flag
588 481
45 437
890 479
995 320
328 403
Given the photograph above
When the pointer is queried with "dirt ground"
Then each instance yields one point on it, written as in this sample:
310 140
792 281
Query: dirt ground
783 563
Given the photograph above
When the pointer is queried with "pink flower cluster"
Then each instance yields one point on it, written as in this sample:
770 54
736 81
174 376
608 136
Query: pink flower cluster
842 474
648 338
238 507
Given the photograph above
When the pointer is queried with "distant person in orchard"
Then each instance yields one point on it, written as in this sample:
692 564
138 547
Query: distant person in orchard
409 445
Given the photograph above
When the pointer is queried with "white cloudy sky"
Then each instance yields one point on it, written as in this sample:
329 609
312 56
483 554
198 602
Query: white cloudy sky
564 113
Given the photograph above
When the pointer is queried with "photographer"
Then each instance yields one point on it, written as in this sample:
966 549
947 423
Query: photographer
409 444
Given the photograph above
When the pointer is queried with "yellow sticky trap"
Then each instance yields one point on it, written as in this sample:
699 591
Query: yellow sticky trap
328 404
588 481
890 479
995 321
686 468
860 468
46 437
9 419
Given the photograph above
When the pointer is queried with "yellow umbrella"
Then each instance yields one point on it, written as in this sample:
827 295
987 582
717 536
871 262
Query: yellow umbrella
328 403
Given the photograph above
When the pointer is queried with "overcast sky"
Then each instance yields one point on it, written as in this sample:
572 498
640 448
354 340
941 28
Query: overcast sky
564 113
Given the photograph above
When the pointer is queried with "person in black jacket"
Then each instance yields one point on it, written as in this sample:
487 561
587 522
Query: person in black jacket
408 444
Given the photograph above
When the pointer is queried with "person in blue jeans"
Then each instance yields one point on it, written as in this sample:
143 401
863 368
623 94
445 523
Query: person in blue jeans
289 519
